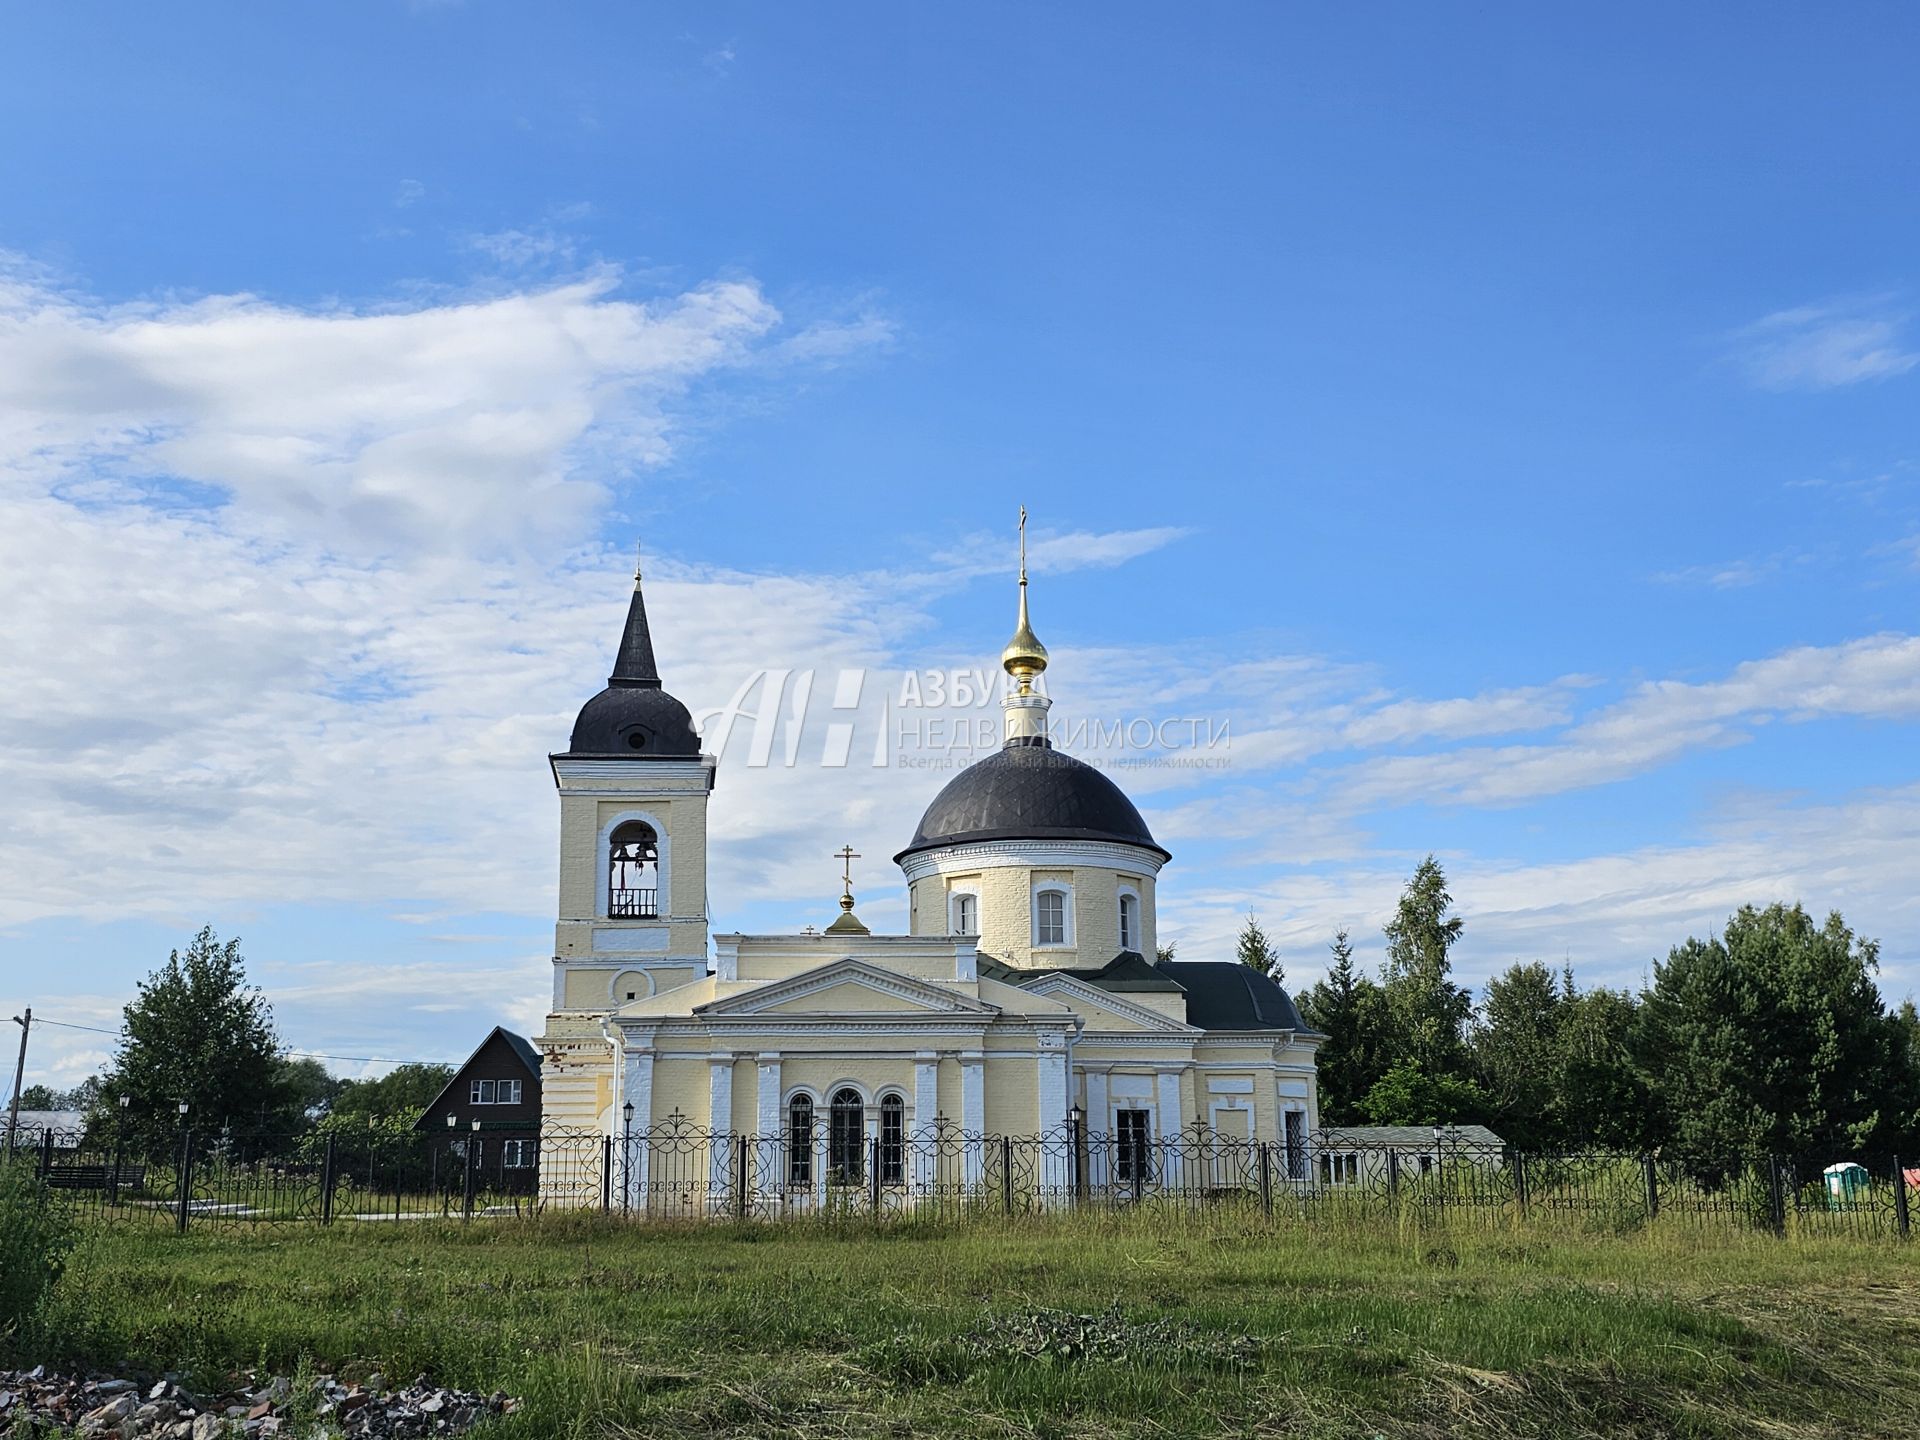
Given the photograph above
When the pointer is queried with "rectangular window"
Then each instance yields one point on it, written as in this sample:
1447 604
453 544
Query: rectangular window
964 922
1296 1144
479 1092
1127 938
1053 918
1133 1146
1340 1169
494 1092
519 1154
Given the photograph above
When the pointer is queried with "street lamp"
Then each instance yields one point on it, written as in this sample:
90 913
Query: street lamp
626 1155
119 1145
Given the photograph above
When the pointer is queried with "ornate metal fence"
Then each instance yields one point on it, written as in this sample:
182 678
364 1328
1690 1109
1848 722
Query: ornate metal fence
677 1172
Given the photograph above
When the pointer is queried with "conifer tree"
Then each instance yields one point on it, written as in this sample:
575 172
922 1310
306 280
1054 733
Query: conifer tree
1427 1012
1255 952
1348 1008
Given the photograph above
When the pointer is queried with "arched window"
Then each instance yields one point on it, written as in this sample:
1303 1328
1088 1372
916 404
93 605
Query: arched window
846 1136
966 915
1050 918
633 872
893 1139
800 1140
1129 922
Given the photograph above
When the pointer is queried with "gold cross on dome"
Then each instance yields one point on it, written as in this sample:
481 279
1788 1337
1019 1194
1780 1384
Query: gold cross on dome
846 855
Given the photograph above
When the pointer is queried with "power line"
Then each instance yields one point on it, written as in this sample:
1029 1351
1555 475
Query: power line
299 1054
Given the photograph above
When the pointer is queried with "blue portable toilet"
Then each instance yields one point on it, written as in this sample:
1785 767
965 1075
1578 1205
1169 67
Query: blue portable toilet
1846 1181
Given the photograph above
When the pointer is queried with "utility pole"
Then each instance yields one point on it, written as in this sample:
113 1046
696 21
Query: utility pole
19 1071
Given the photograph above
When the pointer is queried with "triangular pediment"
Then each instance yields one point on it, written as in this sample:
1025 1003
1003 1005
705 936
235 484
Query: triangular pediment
850 987
1104 1011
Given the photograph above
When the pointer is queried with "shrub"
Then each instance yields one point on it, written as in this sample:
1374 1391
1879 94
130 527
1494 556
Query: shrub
36 1235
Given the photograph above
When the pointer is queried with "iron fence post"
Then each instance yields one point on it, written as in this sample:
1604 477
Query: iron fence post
1520 1196
741 1177
473 1164
1006 1173
1653 1187
1902 1220
1266 1177
606 1173
1776 1196
873 1175
1076 1175
46 1154
326 1181
1393 1177
185 1177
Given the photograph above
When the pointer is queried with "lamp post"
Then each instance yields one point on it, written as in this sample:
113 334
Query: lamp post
626 1155
1076 1133
119 1146
185 1176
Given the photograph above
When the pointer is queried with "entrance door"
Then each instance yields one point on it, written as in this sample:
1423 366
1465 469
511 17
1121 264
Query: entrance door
1133 1147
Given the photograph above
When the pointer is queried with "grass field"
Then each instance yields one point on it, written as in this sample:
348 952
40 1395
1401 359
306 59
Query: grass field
1220 1328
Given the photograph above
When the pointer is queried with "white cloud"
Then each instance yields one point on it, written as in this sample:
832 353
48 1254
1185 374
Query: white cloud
1876 677
449 428
408 192
1822 347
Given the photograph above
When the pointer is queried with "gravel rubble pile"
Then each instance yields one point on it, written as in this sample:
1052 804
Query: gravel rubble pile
34 1403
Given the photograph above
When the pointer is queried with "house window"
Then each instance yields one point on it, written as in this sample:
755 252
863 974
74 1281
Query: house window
1133 1142
1129 922
518 1154
1050 918
800 1140
1340 1169
493 1092
893 1140
633 872
966 915
846 1136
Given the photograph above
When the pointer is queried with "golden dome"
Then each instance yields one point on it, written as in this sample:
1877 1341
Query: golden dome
1024 657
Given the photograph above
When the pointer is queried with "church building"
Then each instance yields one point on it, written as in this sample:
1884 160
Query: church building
1025 999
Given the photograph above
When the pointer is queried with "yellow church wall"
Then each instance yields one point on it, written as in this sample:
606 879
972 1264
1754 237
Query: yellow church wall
1005 910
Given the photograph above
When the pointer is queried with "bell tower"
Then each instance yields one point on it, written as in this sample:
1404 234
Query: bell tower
633 840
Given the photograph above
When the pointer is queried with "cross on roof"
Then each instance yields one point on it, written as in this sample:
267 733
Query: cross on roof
846 855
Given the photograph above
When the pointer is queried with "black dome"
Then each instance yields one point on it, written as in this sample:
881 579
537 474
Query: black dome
633 717
1030 792
630 720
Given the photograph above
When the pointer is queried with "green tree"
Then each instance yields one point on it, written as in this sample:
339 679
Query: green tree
1597 1096
302 1093
198 1032
1515 1047
1255 952
1409 1095
1164 953
398 1096
41 1097
1426 1010
1350 1010
1773 1038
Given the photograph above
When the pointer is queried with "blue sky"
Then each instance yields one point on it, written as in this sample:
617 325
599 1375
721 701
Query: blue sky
1505 421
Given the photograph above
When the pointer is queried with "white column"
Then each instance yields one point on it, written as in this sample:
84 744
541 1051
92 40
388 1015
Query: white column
638 1090
1053 1085
1099 1127
926 1105
973 1116
719 1123
1172 1122
767 1123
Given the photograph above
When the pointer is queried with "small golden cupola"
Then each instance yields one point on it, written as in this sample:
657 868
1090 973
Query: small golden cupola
846 922
1024 657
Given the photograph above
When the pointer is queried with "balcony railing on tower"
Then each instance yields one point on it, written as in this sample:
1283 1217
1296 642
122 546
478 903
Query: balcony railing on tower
633 904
